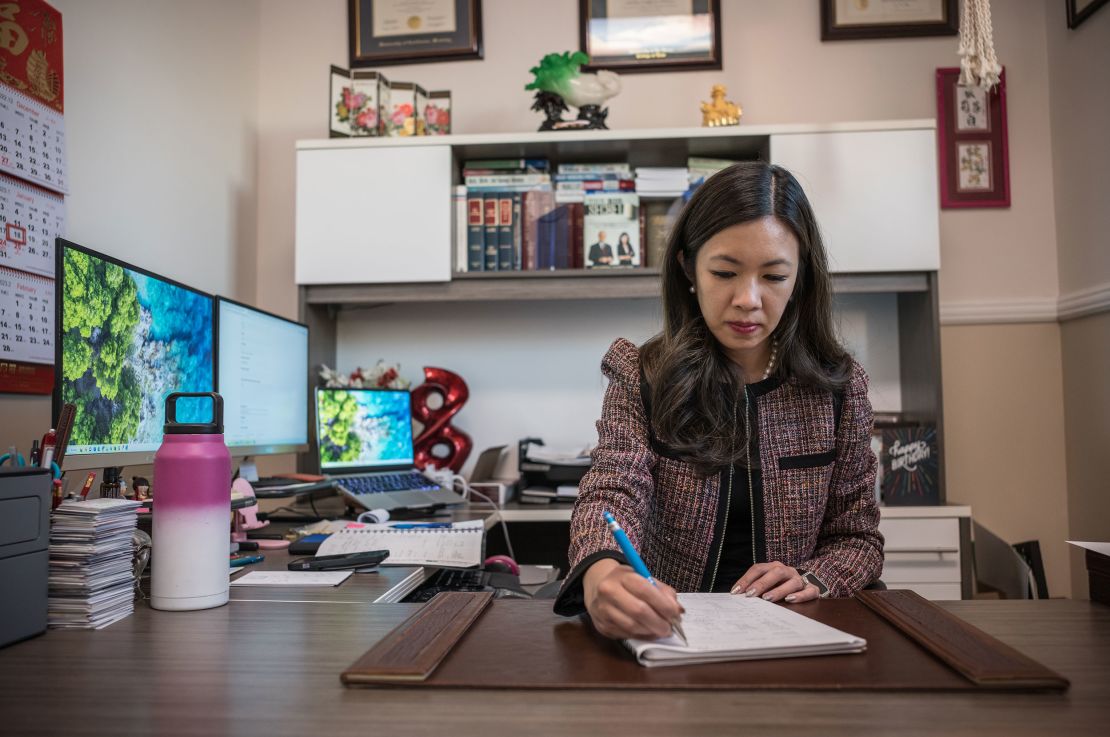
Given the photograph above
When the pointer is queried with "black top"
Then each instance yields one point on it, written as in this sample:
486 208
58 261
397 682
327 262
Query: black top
741 526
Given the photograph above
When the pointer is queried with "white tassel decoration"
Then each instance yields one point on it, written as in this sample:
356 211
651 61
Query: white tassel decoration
979 66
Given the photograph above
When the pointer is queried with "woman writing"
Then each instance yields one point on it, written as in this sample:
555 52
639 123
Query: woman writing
734 447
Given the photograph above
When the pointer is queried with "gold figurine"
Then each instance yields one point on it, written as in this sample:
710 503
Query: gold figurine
719 111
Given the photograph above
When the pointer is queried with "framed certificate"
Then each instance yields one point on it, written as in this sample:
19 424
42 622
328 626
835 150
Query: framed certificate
849 20
384 32
651 35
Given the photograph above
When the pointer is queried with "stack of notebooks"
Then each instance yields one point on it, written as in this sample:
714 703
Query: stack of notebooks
91 570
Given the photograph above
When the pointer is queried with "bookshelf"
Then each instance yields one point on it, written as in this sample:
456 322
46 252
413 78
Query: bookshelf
873 186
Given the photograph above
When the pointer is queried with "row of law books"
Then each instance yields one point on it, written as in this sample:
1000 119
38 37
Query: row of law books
517 215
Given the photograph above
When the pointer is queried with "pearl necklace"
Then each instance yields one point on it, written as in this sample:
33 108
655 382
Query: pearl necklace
771 362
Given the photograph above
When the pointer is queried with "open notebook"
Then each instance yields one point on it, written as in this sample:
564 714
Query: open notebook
722 627
457 546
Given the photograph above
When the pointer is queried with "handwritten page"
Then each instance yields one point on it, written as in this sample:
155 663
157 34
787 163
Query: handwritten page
292 578
721 627
457 546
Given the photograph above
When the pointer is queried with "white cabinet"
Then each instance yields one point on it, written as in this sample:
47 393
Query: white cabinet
874 193
924 550
373 215
378 210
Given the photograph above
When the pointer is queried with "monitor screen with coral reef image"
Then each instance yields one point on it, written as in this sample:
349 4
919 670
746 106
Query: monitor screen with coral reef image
364 429
126 338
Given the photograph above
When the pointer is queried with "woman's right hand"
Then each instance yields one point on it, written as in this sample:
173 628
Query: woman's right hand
623 604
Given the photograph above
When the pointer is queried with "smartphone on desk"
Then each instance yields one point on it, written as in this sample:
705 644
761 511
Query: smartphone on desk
366 559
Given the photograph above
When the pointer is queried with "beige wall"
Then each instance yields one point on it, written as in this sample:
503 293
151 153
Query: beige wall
1004 435
1079 73
1086 368
161 102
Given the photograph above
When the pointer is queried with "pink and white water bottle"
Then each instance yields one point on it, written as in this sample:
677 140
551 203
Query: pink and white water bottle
191 514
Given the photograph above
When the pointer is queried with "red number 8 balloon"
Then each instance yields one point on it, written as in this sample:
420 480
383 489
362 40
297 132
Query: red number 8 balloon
438 431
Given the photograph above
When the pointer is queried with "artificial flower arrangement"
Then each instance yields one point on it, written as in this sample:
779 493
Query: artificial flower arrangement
381 376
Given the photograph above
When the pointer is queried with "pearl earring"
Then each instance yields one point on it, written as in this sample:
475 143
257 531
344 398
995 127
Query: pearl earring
691 289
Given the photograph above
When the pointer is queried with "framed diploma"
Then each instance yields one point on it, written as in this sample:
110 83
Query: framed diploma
651 35
850 20
384 32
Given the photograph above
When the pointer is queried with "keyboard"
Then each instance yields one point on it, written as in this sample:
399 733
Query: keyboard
383 482
452 579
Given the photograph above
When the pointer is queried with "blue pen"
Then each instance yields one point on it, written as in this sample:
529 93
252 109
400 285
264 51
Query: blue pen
635 561
243 560
419 525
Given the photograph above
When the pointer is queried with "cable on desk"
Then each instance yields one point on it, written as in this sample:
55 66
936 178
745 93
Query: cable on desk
467 490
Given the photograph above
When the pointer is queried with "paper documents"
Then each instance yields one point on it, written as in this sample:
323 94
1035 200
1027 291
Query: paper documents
292 578
1095 547
459 545
722 627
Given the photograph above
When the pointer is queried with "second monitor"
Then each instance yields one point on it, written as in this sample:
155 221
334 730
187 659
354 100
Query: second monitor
262 375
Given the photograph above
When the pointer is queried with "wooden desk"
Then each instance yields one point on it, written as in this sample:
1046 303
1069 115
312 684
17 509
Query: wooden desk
273 667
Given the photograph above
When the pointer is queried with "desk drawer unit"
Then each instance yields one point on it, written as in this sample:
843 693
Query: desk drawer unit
923 555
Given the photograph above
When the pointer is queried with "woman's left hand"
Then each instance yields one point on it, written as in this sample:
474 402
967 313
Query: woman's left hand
775 581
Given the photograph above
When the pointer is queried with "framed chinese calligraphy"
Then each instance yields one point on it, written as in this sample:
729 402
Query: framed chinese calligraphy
650 35
973 150
849 20
414 31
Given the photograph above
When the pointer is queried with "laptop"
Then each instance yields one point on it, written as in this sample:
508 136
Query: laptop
364 438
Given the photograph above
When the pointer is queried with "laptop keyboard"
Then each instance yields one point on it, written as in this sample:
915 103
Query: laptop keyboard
383 482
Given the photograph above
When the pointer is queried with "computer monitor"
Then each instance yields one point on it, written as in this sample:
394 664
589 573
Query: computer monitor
364 429
262 375
125 338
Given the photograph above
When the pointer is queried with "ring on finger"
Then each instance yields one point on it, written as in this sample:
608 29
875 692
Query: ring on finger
804 583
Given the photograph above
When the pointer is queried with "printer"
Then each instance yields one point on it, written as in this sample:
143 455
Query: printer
24 552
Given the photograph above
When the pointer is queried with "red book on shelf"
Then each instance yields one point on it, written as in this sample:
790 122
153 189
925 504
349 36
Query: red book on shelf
577 257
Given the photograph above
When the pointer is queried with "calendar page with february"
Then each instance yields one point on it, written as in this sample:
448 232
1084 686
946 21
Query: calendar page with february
26 317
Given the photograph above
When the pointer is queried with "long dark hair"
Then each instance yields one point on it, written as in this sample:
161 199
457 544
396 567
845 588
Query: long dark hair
693 387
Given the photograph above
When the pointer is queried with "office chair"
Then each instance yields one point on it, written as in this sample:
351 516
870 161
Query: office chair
999 567
1030 551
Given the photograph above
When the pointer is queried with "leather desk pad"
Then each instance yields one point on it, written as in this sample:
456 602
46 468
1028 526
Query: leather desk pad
524 645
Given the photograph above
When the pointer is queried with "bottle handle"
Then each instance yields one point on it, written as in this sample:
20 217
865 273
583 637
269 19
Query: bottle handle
217 423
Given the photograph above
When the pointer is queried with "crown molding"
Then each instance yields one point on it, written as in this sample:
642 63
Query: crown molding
1080 303
998 312
1084 302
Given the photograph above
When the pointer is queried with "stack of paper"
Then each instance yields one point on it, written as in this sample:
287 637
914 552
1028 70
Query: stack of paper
91 570
723 627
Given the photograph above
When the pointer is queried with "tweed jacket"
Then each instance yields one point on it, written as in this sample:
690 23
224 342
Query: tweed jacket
818 478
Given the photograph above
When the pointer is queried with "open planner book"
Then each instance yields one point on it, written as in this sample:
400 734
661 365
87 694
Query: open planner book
721 627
